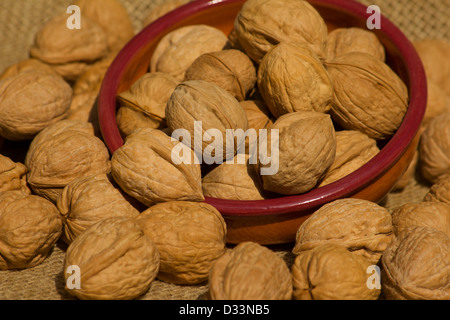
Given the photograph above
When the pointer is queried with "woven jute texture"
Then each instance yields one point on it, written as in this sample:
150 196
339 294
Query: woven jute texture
21 19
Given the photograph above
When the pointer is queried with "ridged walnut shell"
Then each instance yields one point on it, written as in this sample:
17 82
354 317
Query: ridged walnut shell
114 19
62 152
236 180
31 101
361 226
116 261
178 49
440 190
250 271
144 104
216 108
438 102
29 228
261 24
434 215
89 199
306 149
29 64
343 40
189 236
292 78
148 169
258 117
353 150
13 175
330 272
434 148
416 266
379 103
230 69
91 79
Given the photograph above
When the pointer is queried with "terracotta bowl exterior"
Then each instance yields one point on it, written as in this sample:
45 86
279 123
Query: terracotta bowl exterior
276 221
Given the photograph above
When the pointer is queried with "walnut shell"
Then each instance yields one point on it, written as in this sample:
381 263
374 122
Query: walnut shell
13 175
189 236
179 48
261 24
116 260
161 9
292 78
434 55
258 117
31 101
343 40
415 266
144 104
438 102
330 272
434 148
361 226
29 228
54 43
230 69
250 271
434 215
114 19
91 79
216 108
144 168
236 180
306 148
89 199
84 108
60 153
440 190
29 64
353 150
379 104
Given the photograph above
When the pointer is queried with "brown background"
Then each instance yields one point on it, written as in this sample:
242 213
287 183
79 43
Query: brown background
21 19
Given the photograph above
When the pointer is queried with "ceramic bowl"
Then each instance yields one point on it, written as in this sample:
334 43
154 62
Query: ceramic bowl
275 221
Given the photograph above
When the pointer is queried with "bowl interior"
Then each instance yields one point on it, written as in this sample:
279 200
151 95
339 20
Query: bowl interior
132 62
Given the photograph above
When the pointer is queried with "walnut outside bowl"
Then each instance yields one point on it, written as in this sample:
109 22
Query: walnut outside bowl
275 221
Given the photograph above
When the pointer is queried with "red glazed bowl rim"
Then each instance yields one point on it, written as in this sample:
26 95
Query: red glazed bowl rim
315 198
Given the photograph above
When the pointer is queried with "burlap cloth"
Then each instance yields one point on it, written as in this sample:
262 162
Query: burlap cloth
20 19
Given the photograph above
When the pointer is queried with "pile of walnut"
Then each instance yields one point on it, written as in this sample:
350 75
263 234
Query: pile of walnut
137 216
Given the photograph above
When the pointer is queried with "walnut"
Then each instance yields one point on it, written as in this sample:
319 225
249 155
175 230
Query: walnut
415 265
434 148
29 64
408 176
31 101
261 24
144 104
60 153
434 55
91 79
434 215
179 48
148 168
438 102
13 175
292 78
236 180
379 104
189 236
29 228
68 49
343 40
84 108
89 199
258 117
440 190
113 17
116 261
304 150
161 9
361 226
353 150
330 272
230 69
216 108
250 271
